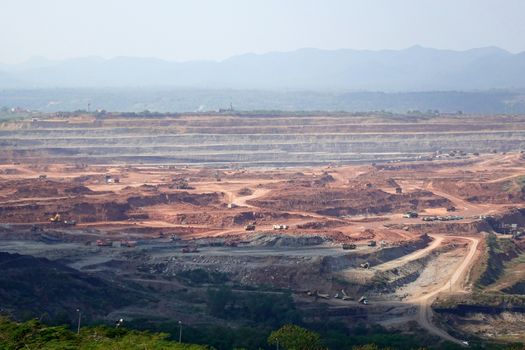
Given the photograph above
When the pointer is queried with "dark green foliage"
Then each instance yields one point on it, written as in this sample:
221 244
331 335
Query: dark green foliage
498 253
34 335
33 287
217 336
270 309
292 337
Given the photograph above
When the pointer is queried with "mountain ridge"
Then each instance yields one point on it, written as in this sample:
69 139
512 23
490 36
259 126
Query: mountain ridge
412 69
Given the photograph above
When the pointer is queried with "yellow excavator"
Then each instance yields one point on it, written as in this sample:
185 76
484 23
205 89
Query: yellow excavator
55 218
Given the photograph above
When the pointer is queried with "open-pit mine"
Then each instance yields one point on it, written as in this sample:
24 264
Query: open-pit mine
410 222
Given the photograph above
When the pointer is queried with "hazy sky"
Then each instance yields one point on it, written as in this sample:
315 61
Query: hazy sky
216 29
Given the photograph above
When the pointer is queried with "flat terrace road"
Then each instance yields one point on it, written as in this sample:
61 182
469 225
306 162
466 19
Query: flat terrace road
424 316
437 239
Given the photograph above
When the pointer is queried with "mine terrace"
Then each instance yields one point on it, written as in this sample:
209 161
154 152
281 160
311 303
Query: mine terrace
379 235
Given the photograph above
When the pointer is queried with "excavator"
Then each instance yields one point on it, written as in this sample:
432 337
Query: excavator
55 218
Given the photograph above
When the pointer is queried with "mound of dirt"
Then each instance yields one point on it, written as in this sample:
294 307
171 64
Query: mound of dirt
245 192
316 225
501 192
280 240
348 201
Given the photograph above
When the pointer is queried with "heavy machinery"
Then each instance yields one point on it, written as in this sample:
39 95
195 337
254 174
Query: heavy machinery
55 218
104 243
372 243
128 243
347 246
250 227
410 215
363 300
190 249
344 295
364 265
322 295
280 227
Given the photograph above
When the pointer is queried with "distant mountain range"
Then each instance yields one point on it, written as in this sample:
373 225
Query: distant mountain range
412 69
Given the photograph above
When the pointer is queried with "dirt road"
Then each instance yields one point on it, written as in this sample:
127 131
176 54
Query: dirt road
437 239
424 316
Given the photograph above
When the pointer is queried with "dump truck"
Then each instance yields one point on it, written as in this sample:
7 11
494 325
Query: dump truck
372 243
250 227
344 295
364 265
128 243
104 243
280 227
363 300
190 249
322 295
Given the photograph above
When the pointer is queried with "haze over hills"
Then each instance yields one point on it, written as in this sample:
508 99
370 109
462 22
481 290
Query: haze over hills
412 69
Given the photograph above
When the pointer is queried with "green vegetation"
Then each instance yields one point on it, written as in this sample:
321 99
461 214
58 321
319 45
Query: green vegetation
266 309
30 287
34 335
293 337
498 252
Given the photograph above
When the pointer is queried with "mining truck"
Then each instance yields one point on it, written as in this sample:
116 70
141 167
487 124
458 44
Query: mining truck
190 249
250 227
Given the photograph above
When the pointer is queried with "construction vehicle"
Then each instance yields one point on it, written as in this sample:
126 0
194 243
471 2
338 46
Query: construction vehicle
410 215
250 227
104 243
70 222
347 246
372 243
128 243
363 300
344 295
55 218
365 265
280 227
321 295
190 249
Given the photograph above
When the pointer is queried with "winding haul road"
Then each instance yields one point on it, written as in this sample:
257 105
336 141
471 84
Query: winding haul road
424 316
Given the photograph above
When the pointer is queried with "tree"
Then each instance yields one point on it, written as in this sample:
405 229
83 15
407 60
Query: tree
292 337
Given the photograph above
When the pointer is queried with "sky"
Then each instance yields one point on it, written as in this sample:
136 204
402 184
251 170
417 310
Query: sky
183 30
